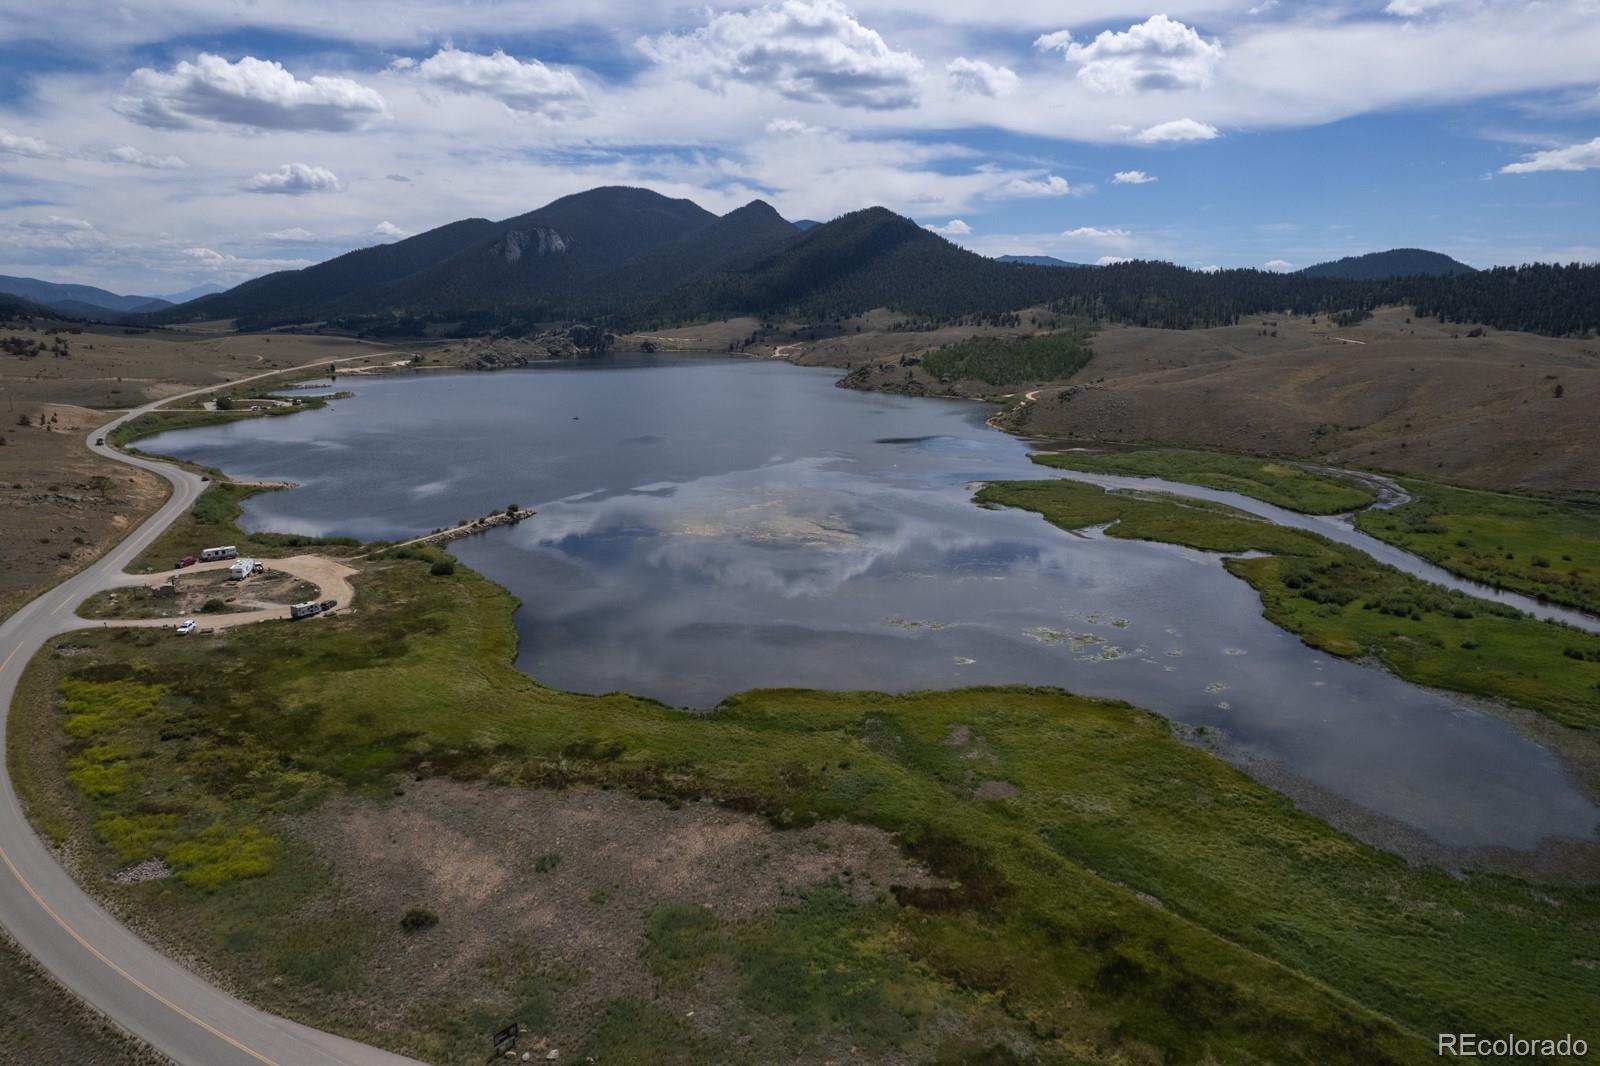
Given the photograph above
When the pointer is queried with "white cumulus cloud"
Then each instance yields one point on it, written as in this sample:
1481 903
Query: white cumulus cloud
1132 177
1098 235
292 235
1049 185
32 147
1279 265
1179 129
792 127
1157 54
526 86
295 179
1413 8
227 266
1584 156
1111 260
811 50
252 92
981 78
1058 41
133 157
389 230
954 228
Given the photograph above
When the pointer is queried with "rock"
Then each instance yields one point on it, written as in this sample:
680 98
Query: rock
538 241
555 1053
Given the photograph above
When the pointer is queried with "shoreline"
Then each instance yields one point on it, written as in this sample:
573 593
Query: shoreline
1348 815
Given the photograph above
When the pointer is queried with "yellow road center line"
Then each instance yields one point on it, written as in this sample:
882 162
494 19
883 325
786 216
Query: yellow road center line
33 893
124 974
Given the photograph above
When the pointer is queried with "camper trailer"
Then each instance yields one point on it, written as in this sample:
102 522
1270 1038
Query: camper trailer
243 569
211 555
304 610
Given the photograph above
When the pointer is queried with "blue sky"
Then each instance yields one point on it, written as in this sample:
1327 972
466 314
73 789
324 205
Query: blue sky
159 144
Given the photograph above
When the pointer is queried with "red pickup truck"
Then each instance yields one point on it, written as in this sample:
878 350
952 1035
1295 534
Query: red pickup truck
187 560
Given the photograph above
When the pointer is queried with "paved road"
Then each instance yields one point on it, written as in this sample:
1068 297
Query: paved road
83 946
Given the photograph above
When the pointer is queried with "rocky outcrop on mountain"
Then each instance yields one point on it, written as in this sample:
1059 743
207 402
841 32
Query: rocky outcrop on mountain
538 241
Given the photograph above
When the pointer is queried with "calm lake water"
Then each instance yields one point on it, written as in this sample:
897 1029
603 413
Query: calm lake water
707 526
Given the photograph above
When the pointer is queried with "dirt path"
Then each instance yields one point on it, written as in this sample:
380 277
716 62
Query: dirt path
332 579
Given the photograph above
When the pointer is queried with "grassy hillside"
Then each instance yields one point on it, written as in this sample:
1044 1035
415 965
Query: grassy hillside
1393 393
1013 361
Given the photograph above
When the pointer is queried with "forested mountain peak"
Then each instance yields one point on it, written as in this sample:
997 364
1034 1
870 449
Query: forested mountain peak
1395 263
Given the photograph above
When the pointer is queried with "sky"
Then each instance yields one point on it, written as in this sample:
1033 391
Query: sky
152 145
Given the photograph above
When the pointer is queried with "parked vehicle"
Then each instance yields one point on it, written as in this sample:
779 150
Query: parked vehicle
187 560
99 441
328 605
243 569
211 555
186 627
304 610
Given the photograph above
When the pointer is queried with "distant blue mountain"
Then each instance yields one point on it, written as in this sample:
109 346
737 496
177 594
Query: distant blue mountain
192 293
804 224
1038 260
79 300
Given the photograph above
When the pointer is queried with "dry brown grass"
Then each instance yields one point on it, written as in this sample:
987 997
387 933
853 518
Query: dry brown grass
570 879
110 367
40 1022
64 506
1418 397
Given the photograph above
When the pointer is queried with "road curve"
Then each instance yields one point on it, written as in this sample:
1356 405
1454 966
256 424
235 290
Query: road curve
82 945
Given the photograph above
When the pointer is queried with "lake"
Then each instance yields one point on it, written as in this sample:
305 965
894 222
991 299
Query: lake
711 525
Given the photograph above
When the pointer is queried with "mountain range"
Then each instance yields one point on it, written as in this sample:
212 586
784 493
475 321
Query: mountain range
1038 260
89 302
628 258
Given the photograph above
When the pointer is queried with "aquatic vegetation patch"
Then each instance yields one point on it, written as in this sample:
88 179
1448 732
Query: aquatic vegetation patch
1342 601
1282 484
910 623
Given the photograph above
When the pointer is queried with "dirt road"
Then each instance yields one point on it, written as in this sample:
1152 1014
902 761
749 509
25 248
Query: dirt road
331 577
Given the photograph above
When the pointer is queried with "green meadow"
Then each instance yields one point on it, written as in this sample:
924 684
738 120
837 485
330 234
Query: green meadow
1113 895
1280 483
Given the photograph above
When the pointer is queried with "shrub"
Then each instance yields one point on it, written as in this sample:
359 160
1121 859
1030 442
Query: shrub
442 568
418 919
213 606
